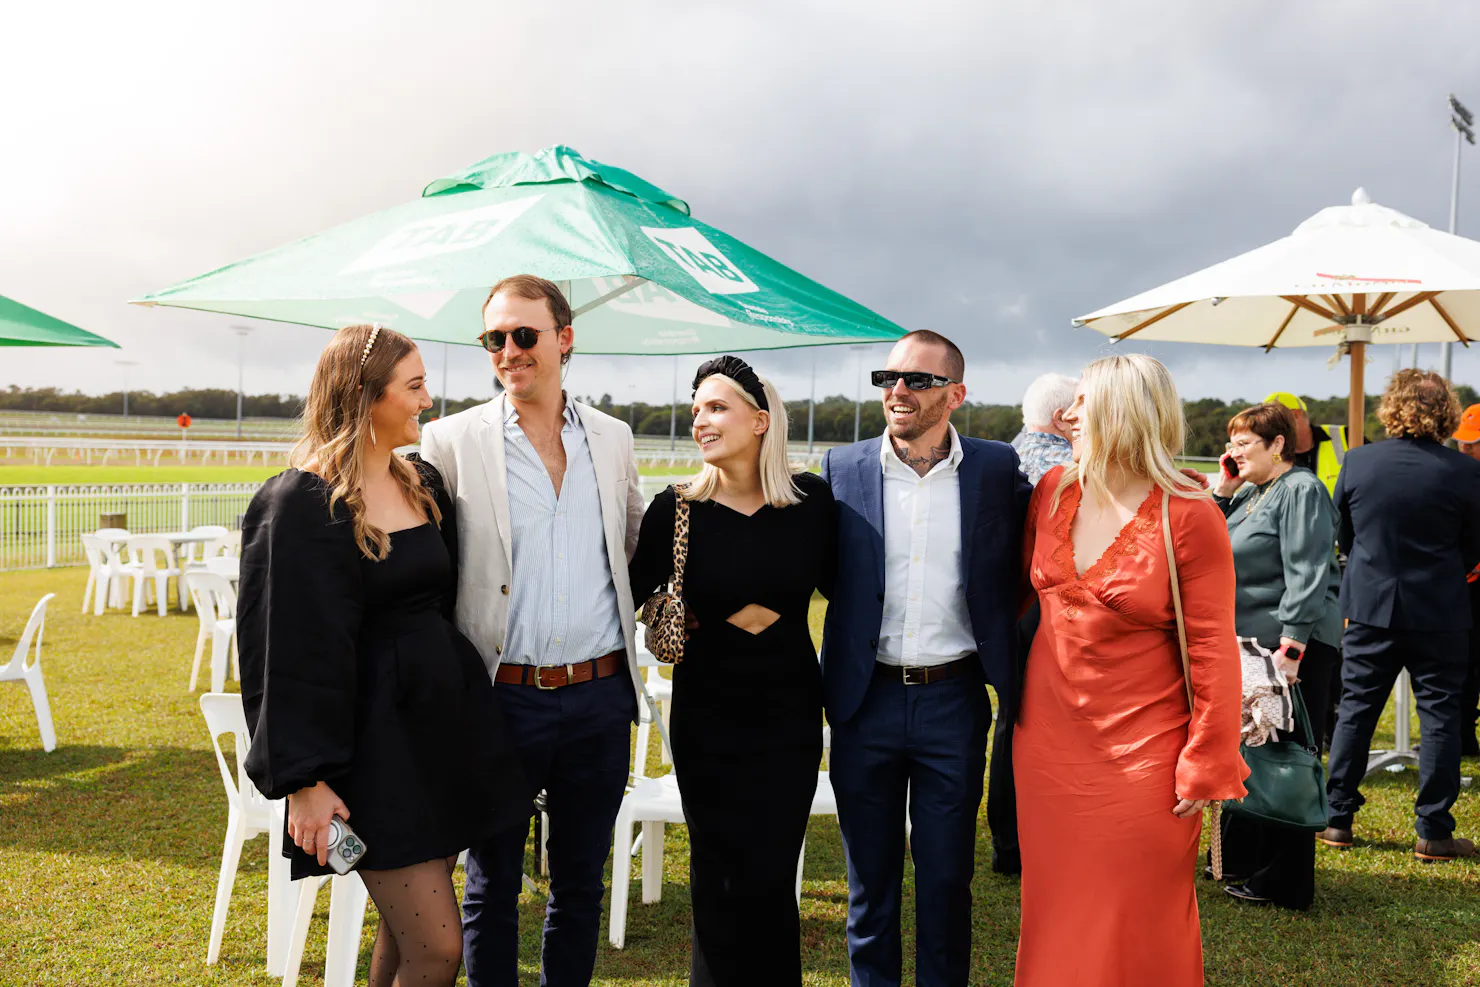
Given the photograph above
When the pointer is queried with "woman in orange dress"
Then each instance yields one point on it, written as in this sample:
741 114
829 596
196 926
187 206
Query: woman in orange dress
1112 770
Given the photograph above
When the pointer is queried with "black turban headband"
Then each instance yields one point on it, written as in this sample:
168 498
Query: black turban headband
737 370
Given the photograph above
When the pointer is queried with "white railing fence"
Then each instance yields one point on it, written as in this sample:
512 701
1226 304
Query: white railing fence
41 526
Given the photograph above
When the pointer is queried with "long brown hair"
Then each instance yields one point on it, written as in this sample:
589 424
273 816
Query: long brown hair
336 427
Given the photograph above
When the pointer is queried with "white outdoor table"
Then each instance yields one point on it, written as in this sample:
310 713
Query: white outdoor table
175 538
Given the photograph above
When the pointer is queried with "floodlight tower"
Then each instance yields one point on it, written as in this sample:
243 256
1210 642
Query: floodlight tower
1462 122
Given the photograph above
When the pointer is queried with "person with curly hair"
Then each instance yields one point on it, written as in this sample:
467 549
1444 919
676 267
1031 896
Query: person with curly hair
1409 521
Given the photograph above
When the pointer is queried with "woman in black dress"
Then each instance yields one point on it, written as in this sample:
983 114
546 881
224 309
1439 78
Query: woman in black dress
361 698
747 697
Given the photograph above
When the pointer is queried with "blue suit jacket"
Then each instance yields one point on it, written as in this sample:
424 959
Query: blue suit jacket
1409 512
994 502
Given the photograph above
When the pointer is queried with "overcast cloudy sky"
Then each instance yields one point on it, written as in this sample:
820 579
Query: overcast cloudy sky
986 170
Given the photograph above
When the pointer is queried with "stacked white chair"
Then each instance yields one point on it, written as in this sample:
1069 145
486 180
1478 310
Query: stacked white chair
16 670
116 568
215 607
248 815
97 568
152 559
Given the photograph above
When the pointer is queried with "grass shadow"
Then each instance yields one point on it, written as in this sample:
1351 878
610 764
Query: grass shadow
162 804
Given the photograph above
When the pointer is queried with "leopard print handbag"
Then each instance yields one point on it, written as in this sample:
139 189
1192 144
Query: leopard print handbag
665 613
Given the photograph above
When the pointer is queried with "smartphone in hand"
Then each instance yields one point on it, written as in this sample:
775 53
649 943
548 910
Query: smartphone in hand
1230 468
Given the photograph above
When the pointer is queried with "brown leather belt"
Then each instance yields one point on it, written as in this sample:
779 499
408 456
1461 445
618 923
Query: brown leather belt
926 674
560 676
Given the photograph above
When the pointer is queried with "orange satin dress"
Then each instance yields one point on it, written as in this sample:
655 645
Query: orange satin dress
1104 745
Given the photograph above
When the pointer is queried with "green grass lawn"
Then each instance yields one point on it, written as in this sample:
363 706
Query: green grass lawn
110 845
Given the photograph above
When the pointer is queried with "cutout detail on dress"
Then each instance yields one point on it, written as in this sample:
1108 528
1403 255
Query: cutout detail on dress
754 618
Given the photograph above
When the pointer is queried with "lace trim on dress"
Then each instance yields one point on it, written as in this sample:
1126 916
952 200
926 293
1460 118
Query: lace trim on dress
1075 592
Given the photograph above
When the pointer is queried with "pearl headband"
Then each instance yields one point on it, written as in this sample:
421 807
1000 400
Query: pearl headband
369 344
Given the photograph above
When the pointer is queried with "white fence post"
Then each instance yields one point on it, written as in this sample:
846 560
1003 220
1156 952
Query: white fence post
184 507
51 525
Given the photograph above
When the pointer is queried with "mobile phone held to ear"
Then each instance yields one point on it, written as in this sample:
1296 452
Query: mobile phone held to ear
1230 468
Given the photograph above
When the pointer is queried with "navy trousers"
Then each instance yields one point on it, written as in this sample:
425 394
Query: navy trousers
925 747
1372 659
573 743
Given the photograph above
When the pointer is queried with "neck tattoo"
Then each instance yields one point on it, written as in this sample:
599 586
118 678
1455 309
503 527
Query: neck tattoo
922 464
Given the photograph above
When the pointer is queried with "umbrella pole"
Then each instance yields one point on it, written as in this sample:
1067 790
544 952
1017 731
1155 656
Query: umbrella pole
1356 407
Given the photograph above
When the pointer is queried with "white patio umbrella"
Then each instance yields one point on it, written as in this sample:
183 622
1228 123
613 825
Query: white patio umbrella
1347 277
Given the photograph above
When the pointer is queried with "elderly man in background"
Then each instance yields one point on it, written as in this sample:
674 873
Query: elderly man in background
1468 438
1044 441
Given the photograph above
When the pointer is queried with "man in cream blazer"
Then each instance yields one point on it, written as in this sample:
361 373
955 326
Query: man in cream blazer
548 510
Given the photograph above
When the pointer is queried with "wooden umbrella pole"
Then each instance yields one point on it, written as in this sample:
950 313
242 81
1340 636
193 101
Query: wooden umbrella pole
1356 409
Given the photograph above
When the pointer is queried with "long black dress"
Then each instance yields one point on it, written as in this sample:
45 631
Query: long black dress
747 721
353 675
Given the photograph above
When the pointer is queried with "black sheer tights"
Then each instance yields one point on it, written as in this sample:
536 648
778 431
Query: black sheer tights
420 938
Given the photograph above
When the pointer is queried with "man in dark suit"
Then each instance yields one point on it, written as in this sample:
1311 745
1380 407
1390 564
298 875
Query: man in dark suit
923 615
1410 525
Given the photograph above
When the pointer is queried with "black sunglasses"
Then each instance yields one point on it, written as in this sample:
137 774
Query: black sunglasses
915 380
524 338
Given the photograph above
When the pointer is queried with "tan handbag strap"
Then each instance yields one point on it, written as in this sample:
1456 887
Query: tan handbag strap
1215 836
1166 531
680 540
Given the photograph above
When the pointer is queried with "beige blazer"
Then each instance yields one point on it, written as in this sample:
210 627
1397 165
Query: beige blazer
468 449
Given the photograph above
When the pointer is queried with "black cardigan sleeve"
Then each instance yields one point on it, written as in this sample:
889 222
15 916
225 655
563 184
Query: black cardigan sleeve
298 624
652 563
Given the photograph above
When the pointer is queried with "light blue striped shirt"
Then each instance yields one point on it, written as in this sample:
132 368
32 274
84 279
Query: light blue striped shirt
562 602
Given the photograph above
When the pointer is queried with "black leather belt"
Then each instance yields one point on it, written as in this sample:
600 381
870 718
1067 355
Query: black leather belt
926 674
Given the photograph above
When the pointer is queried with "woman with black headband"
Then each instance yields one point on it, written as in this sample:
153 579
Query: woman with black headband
747 701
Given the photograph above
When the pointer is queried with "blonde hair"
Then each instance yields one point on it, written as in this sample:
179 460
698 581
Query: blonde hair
777 484
351 375
1131 421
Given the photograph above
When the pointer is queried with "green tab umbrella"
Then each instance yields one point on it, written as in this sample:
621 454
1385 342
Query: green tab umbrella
21 325
641 274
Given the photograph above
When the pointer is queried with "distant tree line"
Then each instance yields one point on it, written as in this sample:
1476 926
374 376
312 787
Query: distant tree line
833 417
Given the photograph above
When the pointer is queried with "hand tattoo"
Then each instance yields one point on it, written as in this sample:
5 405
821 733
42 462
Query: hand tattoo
925 463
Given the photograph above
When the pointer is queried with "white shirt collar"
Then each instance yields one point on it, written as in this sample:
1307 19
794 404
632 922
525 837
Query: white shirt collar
887 455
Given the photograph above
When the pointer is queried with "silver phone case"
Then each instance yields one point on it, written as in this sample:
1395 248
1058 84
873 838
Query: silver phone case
345 846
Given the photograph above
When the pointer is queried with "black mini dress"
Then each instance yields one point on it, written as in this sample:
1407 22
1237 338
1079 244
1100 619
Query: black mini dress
352 674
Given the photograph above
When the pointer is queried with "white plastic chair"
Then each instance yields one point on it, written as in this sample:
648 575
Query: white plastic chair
193 554
215 607
97 568
248 814
347 900
116 567
661 692
654 803
16 670
146 553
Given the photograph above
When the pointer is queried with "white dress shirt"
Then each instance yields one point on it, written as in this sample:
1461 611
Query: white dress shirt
563 605
925 618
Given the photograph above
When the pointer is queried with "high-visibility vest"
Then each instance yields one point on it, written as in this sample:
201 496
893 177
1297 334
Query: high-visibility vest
1330 456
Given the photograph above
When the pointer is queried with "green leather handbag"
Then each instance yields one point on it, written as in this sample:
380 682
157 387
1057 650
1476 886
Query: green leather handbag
1286 783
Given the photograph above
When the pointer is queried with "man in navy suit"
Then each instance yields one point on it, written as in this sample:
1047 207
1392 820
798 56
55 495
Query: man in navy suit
1409 514
923 615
